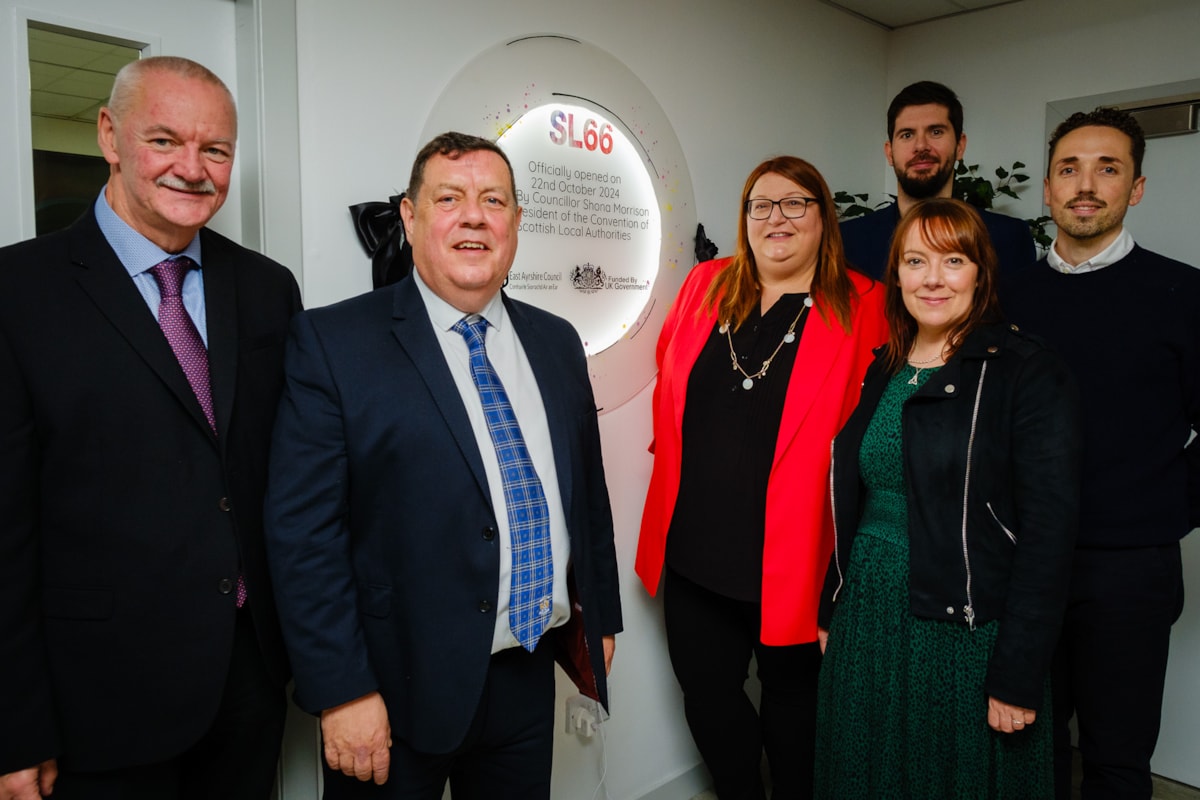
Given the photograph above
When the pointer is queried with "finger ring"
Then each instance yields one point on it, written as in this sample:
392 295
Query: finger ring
1018 722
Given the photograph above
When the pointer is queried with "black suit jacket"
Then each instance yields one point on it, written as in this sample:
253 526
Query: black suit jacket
380 529
123 520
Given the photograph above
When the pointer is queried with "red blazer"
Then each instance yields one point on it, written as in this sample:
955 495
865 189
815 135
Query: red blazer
822 392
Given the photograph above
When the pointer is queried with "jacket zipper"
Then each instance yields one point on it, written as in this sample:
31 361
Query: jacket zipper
969 609
837 561
1011 536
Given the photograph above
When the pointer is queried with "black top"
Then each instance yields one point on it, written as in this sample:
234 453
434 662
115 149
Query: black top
867 239
729 437
1131 334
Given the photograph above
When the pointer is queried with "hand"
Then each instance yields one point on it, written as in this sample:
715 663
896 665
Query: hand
29 784
1008 719
357 737
822 639
610 647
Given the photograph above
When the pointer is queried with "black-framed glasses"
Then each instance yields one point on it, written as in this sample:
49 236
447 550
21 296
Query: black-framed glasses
790 207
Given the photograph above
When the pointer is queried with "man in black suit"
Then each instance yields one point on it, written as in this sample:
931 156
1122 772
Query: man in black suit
141 649
396 539
925 140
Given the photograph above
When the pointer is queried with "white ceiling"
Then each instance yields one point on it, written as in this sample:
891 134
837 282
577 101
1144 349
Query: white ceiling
70 77
892 14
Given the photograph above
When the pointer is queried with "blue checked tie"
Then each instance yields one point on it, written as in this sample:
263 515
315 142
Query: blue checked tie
531 596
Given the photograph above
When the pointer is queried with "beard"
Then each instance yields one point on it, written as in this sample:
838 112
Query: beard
1083 228
920 187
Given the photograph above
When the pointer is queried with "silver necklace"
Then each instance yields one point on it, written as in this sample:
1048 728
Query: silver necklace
919 366
788 338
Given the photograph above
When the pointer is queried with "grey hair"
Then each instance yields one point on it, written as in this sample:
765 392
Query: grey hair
129 78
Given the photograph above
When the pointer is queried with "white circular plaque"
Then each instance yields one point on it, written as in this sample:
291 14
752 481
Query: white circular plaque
591 234
609 222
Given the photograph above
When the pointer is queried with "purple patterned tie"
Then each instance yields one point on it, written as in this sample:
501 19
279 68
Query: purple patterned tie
181 332
189 348
532 587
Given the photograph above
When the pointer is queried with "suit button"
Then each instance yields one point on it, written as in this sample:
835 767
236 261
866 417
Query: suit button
223 504
950 610
489 533
225 586
485 606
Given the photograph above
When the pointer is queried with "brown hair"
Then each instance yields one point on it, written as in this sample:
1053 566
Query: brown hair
1103 117
736 285
453 145
948 226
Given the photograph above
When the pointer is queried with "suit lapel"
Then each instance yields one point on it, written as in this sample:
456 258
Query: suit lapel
414 331
220 302
549 375
821 344
105 280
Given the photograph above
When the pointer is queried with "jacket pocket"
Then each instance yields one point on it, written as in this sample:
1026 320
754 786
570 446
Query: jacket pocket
375 600
1012 537
69 602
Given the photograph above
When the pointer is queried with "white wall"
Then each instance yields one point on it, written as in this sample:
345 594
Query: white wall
738 81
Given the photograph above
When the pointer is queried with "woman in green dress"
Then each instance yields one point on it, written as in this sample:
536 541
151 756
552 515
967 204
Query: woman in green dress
955 493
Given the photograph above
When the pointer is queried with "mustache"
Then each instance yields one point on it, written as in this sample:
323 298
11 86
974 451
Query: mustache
1086 197
198 187
924 155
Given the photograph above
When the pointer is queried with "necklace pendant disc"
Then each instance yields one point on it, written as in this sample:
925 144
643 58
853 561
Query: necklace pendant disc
789 338
748 384
724 328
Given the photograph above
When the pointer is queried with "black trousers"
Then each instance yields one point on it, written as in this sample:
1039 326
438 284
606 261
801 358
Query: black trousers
710 639
506 754
1110 667
235 760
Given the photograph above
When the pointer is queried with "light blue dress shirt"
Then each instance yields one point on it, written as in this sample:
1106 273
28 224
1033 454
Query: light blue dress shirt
138 254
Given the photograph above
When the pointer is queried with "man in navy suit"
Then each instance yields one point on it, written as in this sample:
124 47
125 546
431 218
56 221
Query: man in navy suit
141 652
388 528
925 140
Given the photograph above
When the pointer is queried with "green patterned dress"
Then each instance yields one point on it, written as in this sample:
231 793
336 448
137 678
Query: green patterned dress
902 712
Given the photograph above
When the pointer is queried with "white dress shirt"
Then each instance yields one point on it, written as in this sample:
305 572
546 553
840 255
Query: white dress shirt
1121 247
508 358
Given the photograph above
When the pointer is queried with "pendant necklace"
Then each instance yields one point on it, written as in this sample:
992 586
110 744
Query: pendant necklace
919 366
788 338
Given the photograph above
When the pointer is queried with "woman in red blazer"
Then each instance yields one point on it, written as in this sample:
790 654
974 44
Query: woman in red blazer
766 351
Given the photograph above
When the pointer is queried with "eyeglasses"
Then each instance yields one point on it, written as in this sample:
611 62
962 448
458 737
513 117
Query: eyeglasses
790 207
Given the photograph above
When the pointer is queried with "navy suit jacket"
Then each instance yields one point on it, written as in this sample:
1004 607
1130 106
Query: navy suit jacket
867 239
380 530
123 520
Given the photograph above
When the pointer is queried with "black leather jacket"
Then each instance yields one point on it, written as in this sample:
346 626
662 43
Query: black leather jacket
991 465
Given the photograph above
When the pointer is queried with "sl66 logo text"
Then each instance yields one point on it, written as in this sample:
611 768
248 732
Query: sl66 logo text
595 135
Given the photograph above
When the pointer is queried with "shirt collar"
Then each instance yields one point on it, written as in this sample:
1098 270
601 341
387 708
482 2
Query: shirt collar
135 251
1120 247
445 316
